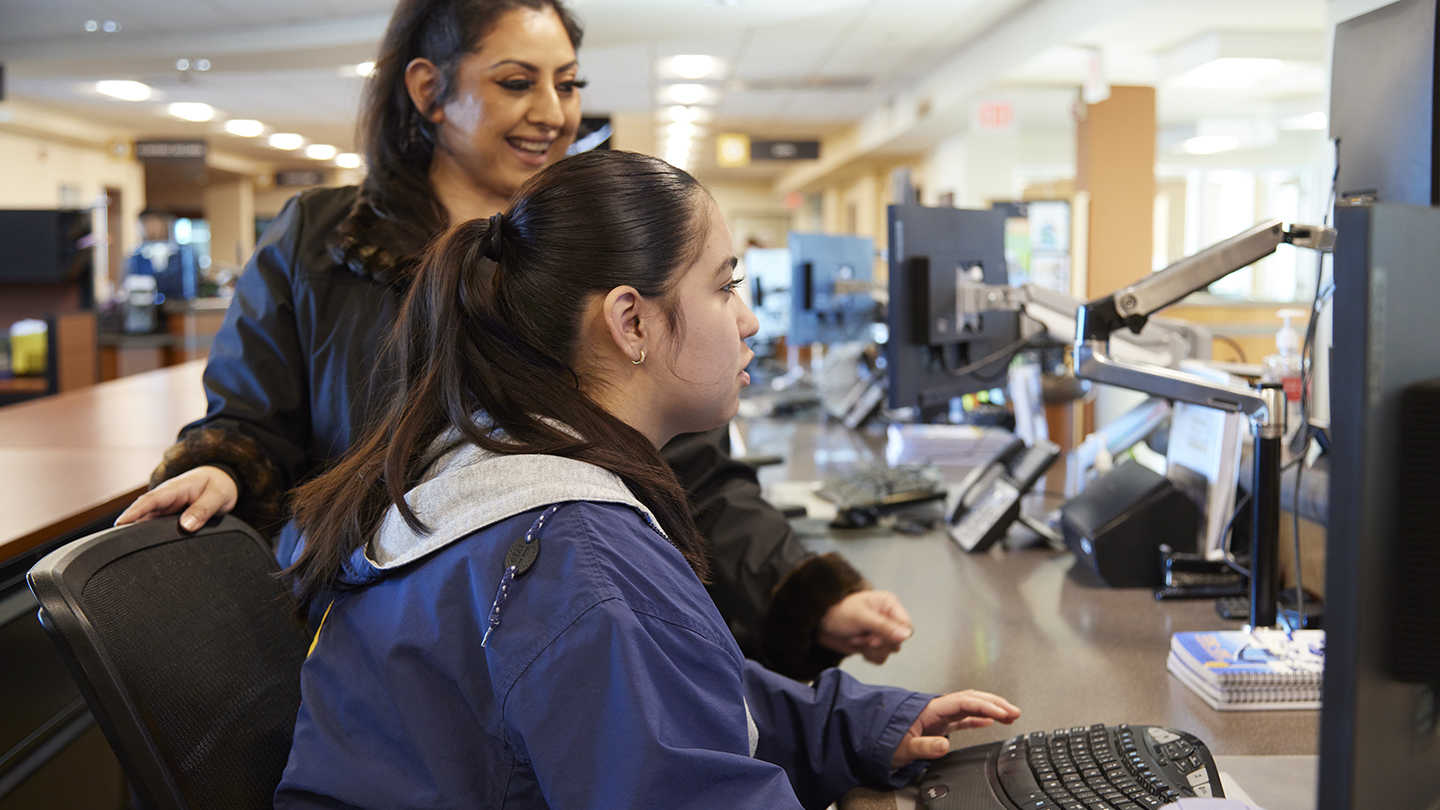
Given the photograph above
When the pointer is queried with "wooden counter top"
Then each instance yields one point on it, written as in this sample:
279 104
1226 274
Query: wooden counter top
71 458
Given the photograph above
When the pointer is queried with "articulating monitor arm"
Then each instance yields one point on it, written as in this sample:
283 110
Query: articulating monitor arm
1164 341
1133 305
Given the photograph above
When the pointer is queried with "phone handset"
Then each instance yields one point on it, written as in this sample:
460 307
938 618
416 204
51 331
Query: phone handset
990 495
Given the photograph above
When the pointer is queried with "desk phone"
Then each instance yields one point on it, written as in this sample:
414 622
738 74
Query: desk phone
990 495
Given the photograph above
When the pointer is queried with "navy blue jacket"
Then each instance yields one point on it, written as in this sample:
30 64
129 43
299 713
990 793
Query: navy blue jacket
610 679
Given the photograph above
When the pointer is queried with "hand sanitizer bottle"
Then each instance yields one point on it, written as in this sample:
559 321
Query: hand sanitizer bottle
1285 367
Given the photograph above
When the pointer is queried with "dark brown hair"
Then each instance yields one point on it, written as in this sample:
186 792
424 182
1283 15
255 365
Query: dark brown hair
504 342
399 209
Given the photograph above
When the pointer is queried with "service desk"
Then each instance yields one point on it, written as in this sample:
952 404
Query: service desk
68 463
68 459
1065 649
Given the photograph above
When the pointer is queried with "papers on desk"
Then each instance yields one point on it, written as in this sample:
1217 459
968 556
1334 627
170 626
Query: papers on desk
1235 670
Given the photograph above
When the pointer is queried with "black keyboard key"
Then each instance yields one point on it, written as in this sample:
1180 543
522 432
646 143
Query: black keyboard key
1017 780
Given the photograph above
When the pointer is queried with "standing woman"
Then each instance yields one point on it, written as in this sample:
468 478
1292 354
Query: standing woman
469 98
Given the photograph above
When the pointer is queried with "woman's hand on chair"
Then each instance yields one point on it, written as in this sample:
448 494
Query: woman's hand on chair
201 493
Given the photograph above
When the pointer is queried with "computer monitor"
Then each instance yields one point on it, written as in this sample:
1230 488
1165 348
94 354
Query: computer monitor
767 282
1379 737
44 246
831 300
1382 97
936 351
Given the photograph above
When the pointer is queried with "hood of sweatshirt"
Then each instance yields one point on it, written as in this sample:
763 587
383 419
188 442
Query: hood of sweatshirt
468 488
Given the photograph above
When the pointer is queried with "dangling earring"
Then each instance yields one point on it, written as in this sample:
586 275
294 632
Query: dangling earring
641 360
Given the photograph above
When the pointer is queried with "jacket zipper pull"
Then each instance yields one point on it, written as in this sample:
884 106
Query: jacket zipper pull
518 559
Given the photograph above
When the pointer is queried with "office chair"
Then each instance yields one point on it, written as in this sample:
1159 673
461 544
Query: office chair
185 650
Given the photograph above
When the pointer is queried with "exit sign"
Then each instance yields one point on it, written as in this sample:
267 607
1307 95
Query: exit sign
995 117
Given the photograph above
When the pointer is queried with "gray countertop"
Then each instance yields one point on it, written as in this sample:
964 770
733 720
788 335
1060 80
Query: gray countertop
1024 624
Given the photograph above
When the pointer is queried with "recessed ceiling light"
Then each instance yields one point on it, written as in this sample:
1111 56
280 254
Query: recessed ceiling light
287 140
1210 144
684 115
681 130
1229 73
347 160
244 127
125 89
192 111
202 64
111 26
320 151
1314 120
91 25
364 68
688 93
182 64
692 65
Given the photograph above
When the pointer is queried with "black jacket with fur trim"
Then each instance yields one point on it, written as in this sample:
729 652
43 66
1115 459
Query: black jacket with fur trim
295 370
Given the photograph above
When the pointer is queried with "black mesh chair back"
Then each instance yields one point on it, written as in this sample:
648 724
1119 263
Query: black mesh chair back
186 652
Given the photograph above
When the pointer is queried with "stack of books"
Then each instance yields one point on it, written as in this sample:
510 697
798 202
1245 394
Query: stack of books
1238 670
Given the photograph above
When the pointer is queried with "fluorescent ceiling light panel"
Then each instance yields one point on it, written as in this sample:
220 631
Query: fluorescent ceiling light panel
1210 144
1229 73
287 140
244 127
680 130
125 90
690 94
320 151
1314 120
684 115
694 66
192 111
347 160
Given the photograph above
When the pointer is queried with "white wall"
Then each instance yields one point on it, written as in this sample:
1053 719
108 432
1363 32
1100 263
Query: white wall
980 169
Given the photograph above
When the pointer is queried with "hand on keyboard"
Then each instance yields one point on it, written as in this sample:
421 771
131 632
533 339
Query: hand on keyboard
946 714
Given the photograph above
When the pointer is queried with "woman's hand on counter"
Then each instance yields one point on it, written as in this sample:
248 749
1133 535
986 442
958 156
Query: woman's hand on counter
202 493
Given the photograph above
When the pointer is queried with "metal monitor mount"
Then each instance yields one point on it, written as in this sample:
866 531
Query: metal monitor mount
1132 306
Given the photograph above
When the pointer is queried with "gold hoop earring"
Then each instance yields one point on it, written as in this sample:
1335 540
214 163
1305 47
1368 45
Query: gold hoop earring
641 360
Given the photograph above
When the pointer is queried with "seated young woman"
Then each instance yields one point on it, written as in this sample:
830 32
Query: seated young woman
510 580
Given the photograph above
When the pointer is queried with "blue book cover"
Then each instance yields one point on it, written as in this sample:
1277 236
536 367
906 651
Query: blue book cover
1235 657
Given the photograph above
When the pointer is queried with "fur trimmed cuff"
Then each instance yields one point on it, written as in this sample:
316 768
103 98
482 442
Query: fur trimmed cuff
237 454
787 634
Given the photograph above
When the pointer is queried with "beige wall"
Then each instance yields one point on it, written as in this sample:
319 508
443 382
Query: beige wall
634 132
35 171
230 210
753 211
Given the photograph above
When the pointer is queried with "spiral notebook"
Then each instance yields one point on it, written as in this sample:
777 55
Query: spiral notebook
1262 669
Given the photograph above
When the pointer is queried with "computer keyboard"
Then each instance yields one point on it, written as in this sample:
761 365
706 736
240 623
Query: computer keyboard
1124 767
881 486
948 445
